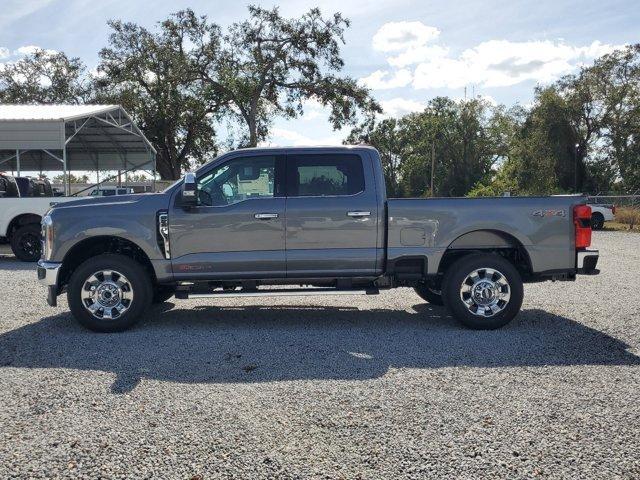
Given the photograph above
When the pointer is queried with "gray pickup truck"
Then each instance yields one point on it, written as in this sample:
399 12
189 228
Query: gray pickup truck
306 221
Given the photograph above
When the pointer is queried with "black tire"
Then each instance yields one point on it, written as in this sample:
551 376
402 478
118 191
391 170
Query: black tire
429 294
597 221
26 243
140 285
453 287
162 293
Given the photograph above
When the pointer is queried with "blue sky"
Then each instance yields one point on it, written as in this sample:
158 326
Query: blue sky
406 51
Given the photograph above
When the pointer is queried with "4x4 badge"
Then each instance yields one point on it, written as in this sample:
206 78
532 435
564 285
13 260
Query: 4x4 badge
549 213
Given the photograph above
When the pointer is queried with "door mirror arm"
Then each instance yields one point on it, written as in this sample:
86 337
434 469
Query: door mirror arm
189 191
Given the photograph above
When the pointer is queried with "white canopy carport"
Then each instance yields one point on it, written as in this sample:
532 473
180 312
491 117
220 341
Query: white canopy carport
72 138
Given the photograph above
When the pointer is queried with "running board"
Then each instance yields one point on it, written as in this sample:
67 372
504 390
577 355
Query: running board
283 292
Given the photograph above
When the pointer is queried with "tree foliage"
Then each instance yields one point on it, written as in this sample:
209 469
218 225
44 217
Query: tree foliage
463 137
268 66
154 76
184 78
44 76
582 133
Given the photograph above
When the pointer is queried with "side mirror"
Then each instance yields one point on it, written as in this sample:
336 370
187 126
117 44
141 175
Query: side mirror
189 197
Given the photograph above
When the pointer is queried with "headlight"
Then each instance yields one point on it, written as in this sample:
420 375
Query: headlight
47 237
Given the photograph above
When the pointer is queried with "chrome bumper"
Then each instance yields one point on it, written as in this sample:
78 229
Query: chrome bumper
48 273
586 261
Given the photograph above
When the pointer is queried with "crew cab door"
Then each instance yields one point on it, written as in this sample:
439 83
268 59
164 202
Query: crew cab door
237 229
332 215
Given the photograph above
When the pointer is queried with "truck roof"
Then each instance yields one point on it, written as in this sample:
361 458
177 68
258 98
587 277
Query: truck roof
314 148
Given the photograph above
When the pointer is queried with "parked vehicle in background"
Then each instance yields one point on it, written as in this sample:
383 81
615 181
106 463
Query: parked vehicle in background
23 202
110 191
315 218
601 213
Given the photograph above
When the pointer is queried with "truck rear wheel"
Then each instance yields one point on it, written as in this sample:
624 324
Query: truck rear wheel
25 243
429 294
109 293
483 291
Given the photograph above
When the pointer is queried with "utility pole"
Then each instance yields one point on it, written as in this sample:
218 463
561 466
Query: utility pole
433 161
575 168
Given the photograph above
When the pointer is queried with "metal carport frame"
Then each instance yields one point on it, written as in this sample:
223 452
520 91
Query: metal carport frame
72 138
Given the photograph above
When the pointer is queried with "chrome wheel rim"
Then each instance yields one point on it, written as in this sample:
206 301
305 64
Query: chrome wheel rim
107 294
485 292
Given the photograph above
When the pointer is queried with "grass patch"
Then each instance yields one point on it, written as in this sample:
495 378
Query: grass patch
619 227
627 219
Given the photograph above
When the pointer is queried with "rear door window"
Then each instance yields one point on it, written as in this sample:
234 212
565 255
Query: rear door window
324 175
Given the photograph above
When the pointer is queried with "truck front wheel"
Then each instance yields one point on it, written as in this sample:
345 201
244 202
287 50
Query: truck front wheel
109 293
483 291
25 243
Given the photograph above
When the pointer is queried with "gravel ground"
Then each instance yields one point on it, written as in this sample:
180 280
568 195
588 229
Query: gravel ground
343 387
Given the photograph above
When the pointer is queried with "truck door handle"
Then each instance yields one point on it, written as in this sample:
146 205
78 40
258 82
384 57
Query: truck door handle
265 216
358 214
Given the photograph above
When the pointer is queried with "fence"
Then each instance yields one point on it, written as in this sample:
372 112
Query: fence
617 200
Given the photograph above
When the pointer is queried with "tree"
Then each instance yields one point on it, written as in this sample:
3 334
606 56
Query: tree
616 84
464 140
582 132
267 66
385 137
44 76
154 75
71 178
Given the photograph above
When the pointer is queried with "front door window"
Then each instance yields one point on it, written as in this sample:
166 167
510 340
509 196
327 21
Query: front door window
238 180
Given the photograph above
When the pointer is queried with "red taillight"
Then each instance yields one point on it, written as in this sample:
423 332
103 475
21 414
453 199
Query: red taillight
582 222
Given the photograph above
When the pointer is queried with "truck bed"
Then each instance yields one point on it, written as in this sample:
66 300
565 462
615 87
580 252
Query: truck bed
542 226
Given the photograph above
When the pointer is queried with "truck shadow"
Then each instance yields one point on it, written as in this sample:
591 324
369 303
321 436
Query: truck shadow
274 343
9 262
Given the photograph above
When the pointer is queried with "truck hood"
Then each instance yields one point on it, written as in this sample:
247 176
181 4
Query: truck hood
98 201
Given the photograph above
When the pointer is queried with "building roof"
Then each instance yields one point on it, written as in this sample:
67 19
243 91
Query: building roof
93 137
51 112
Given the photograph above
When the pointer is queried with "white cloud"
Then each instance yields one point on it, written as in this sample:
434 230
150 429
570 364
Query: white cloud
395 36
382 79
26 50
313 109
284 137
397 107
31 49
493 63
4 52
418 55
489 99
501 63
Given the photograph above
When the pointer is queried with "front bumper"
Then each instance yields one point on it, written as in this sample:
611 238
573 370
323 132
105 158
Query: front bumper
48 276
586 262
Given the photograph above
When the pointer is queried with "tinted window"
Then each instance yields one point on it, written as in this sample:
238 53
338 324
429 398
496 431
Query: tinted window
325 175
237 180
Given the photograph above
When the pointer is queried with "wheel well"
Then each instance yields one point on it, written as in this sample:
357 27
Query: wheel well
98 245
597 214
21 220
488 241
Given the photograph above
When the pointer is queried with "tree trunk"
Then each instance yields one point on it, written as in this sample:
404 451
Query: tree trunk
166 167
253 132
